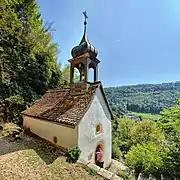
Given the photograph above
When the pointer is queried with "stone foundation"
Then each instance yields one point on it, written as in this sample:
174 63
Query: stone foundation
101 171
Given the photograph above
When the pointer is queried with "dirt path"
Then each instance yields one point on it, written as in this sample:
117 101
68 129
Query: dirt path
32 159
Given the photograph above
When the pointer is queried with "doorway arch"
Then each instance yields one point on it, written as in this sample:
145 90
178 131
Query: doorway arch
99 148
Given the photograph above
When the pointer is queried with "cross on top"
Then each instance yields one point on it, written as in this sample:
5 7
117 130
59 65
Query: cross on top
85 15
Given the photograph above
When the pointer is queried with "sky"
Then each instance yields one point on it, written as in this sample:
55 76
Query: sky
138 41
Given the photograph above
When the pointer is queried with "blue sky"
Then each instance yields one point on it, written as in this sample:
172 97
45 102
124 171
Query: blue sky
138 40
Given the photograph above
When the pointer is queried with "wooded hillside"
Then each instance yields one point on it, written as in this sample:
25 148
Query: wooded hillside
28 61
144 98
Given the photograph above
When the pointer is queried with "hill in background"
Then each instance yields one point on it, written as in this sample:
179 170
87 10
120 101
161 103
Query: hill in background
143 98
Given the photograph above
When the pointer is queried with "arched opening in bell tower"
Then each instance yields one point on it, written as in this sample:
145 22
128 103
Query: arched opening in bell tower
91 75
76 76
78 72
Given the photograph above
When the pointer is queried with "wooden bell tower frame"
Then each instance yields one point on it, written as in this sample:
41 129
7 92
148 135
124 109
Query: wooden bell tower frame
83 63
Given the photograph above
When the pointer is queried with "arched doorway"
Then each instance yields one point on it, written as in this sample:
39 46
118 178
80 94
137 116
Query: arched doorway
99 155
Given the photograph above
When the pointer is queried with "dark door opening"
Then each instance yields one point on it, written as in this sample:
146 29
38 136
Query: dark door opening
99 153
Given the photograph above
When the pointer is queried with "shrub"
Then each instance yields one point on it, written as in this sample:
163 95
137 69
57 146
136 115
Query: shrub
73 154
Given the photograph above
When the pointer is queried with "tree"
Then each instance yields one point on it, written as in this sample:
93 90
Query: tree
145 131
66 75
171 152
28 65
144 158
121 135
116 152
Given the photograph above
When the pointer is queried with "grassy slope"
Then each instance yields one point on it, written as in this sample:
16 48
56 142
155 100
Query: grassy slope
35 159
147 115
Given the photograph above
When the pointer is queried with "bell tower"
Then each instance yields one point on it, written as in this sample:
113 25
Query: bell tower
84 58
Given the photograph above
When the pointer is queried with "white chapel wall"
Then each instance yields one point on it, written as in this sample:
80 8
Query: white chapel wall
87 138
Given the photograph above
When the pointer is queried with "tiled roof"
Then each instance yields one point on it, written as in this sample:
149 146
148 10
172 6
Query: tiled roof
59 105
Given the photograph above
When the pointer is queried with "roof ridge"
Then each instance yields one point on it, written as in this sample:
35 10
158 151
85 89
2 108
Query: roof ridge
57 90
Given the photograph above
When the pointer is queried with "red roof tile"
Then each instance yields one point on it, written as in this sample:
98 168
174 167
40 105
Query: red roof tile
62 106
59 105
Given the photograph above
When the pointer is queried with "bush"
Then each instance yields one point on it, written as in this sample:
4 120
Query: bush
144 158
73 154
116 152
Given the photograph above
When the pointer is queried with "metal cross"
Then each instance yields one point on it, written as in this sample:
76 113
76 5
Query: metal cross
85 15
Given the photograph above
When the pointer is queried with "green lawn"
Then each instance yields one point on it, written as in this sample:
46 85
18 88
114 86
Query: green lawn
148 115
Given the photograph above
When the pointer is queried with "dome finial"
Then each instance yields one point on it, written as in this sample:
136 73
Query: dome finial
84 46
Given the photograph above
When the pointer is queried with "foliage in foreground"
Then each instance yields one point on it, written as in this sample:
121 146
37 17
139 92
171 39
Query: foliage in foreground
129 132
73 154
28 65
144 158
150 147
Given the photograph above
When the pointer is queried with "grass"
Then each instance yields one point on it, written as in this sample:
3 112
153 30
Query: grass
32 158
148 115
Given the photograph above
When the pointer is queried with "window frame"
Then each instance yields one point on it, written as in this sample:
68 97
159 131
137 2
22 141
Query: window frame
99 125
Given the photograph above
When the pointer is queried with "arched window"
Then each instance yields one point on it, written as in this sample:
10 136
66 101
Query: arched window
99 129
76 76
91 75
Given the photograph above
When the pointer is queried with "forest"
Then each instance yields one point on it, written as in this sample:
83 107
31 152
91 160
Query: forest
143 98
28 57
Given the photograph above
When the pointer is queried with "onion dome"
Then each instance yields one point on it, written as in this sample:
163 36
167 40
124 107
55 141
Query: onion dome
85 46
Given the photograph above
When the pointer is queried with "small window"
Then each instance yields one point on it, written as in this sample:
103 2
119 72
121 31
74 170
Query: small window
99 129
55 139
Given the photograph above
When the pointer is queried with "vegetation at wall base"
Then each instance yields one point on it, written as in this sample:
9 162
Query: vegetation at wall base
91 171
73 154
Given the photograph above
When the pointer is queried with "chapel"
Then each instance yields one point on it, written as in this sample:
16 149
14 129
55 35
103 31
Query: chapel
78 115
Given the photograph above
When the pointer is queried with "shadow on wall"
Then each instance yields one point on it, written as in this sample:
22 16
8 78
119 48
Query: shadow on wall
45 150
